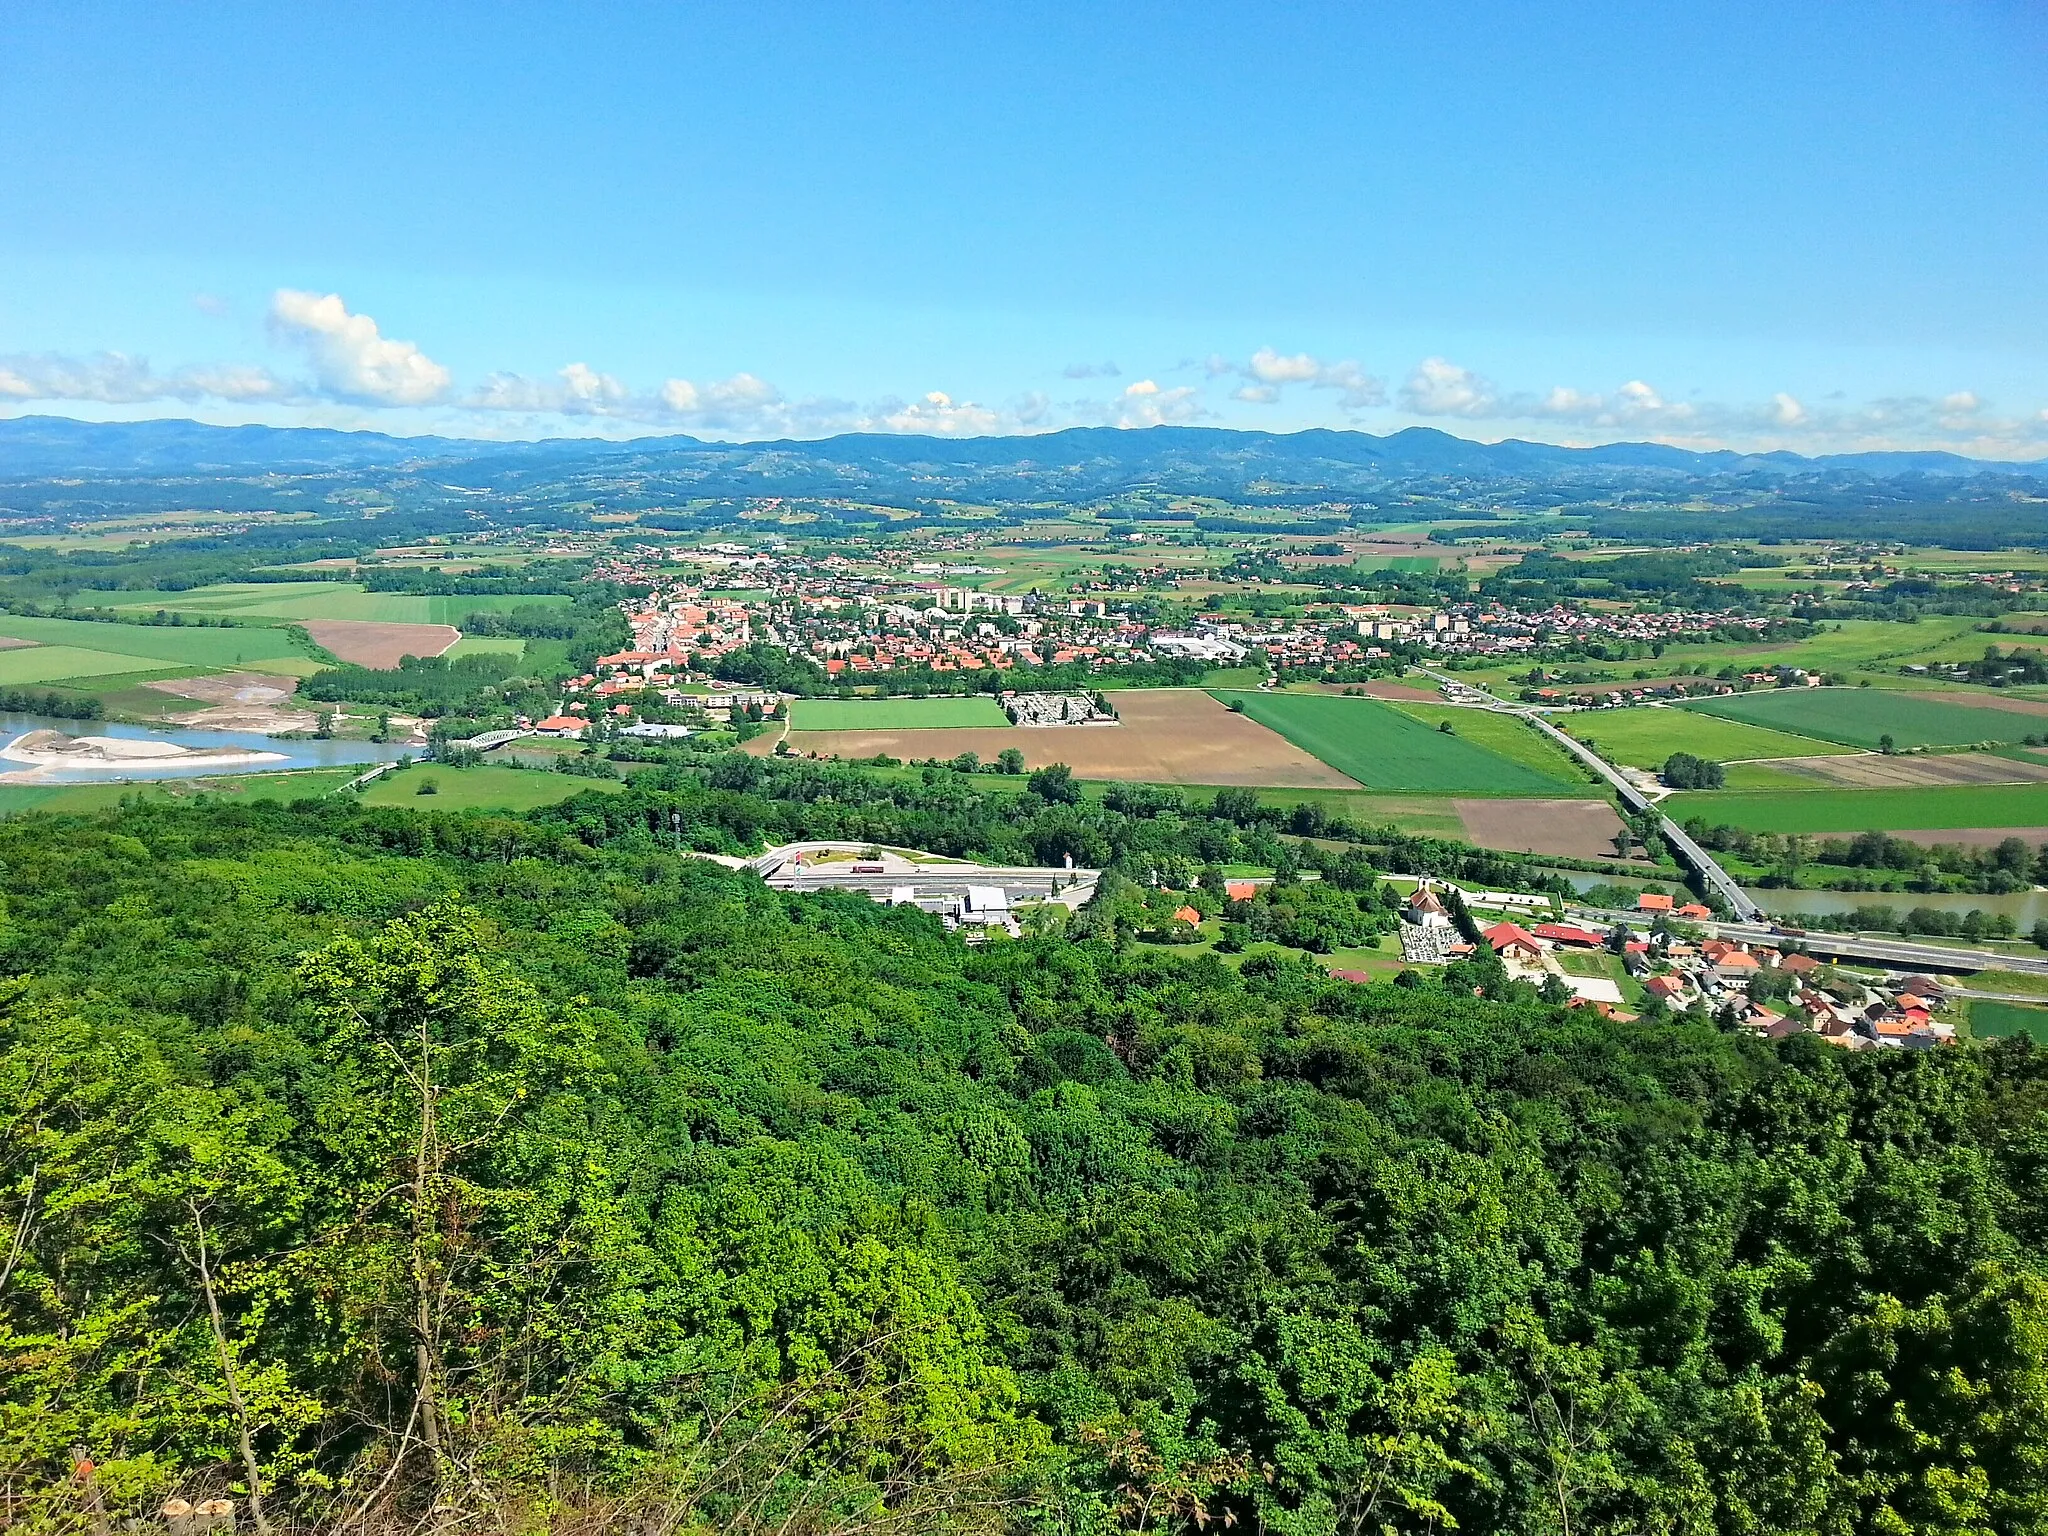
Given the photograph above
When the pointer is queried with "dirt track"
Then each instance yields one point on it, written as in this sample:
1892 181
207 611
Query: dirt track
1167 736
380 645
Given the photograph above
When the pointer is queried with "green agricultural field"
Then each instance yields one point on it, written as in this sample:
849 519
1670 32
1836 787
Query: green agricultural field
1863 810
289 601
52 663
894 714
83 799
1505 734
487 788
1861 717
1872 648
1643 737
1994 1021
501 645
147 646
1384 749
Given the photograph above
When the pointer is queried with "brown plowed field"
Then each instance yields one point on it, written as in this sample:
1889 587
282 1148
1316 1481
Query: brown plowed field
1396 691
380 645
1583 829
1873 770
1167 736
1988 701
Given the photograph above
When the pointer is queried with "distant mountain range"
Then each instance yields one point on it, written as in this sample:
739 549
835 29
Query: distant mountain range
1089 459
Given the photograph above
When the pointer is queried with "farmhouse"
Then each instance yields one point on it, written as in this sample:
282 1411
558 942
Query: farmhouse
1513 942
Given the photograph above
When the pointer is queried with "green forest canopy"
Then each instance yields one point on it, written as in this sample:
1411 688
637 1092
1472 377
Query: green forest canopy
365 1158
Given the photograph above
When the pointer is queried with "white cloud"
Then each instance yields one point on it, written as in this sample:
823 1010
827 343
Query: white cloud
1091 371
113 378
1960 421
1271 371
1440 388
351 358
938 415
1269 367
1145 404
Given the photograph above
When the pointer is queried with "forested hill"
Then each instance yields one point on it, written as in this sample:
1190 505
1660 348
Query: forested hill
367 1159
1077 459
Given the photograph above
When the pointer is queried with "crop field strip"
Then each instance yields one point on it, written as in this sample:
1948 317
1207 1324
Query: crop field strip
1849 811
1384 749
1178 736
896 714
287 601
1875 770
148 645
1644 736
1500 733
1861 717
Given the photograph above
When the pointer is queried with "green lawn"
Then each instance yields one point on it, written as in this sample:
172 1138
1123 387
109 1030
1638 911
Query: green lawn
466 789
1385 749
1644 737
1506 734
148 645
1860 717
68 799
1994 1021
1865 810
894 714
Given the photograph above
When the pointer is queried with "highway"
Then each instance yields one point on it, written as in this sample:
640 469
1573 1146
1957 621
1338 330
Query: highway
1718 879
1894 954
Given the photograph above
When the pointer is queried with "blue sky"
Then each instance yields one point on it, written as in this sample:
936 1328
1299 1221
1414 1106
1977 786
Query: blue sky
1816 226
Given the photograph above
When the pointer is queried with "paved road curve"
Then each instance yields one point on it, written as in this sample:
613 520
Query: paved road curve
1692 853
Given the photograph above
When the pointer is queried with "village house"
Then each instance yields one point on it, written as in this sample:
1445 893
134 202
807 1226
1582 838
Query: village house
1514 944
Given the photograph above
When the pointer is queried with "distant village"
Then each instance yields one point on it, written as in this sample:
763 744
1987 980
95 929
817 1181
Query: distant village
1768 991
863 619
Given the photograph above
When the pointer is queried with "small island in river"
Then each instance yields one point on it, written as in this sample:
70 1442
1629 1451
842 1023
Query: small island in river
43 751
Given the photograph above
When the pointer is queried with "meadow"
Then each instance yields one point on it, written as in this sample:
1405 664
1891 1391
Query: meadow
1900 811
487 788
1991 1020
894 714
1862 717
1384 749
139 647
1643 737
84 799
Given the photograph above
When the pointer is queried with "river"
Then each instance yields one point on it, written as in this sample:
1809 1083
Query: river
296 754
